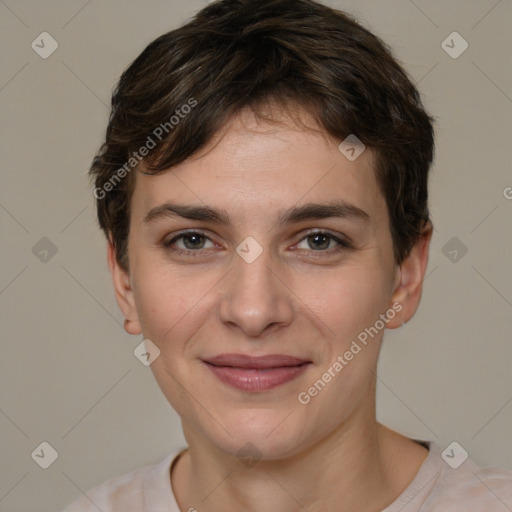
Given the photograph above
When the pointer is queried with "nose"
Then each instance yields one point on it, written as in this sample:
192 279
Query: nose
255 298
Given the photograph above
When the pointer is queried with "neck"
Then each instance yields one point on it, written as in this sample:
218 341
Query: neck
359 463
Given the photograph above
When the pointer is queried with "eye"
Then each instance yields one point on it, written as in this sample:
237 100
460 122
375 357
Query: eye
319 241
322 241
189 241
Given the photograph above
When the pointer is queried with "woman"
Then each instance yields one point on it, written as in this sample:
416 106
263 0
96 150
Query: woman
263 189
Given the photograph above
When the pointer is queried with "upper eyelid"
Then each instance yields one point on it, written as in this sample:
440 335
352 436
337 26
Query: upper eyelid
325 231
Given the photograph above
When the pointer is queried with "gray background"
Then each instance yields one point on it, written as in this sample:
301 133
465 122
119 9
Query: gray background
68 373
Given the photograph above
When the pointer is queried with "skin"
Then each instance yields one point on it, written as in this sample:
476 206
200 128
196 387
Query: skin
302 296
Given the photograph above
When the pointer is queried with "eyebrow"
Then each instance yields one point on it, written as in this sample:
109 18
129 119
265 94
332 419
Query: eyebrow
308 211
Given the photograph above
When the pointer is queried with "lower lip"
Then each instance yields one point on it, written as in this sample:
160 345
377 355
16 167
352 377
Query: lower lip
254 380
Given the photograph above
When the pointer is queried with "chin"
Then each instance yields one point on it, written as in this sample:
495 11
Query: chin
258 447
265 434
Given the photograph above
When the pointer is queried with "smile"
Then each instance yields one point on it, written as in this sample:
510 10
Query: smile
256 374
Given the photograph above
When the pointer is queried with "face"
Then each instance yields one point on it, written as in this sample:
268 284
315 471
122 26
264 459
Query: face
254 268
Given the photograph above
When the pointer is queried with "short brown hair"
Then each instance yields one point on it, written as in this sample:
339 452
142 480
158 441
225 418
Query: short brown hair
240 53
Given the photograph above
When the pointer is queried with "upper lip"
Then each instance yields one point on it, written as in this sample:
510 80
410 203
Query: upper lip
255 362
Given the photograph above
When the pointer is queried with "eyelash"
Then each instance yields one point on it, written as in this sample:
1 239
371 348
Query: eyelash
342 244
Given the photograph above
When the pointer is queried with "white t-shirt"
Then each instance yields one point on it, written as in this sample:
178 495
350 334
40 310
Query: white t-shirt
437 487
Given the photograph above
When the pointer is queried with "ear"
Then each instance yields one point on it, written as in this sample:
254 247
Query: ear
409 282
124 292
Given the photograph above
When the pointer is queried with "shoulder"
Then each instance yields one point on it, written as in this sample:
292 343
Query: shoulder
123 493
470 487
488 489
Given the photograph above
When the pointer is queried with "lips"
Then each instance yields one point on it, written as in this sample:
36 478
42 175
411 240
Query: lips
255 362
256 373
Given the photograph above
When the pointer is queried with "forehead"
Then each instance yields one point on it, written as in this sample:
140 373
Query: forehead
256 166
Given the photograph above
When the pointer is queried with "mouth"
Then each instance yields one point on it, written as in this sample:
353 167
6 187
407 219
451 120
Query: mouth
256 374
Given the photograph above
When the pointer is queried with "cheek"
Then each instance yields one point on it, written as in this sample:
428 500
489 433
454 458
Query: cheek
160 301
347 300
171 302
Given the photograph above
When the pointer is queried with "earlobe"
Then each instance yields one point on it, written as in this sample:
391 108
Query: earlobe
124 292
409 287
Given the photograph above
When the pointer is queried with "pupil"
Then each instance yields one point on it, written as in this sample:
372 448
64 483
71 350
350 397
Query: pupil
192 245
321 240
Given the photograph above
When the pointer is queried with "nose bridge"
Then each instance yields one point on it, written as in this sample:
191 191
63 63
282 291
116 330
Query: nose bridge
255 296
